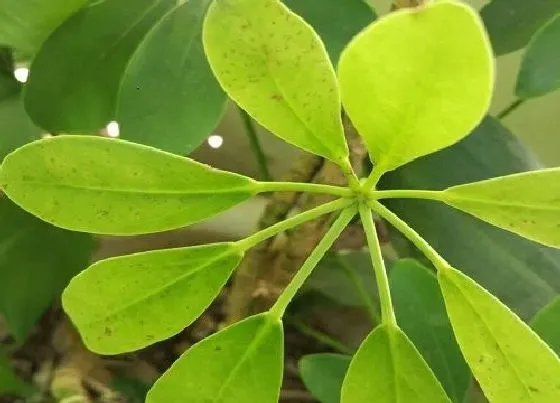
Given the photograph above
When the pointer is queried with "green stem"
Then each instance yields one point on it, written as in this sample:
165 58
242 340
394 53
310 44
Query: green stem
303 187
387 312
353 181
422 245
319 336
361 289
298 219
332 234
510 108
374 177
256 146
406 194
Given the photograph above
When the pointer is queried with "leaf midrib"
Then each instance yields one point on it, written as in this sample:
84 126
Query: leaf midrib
237 189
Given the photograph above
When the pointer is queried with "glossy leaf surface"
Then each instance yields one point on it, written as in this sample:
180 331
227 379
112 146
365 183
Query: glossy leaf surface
387 368
547 324
421 315
169 97
36 262
523 274
116 187
242 363
540 67
277 69
80 96
416 81
323 375
335 21
512 23
508 359
526 203
146 297
24 25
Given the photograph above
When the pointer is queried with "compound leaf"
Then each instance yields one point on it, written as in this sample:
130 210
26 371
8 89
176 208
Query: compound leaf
546 324
540 67
512 23
335 21
421 314
36 262
242 363
416 81
24 25
387 368
276 68
110 186
527 203
75 77
169 97
323 375
146 297
507 358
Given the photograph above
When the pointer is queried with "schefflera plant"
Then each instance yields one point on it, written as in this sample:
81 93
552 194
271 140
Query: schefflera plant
412 83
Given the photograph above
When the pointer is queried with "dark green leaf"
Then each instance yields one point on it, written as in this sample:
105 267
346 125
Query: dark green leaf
169 97
36 262
10 383
146 297
75 77
540 68
546 324
242 363
336 21
523 274
512 23
323 375
421 315
110 186
332 278
16 129
24 25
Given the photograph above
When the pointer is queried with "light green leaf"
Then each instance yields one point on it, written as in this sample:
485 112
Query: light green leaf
36 262
323 375
523 274
540 67
242 363
146 297
512 23
336 21
24 25
527 203
416 81
110 186
169 97
547 324
509 361
75 77
421 314
387 369
275 67
16 128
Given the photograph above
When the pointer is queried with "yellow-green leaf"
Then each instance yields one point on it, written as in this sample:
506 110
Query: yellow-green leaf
275 67
242 363
110 186
509 361
126 303
387 368
417 80
527 203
